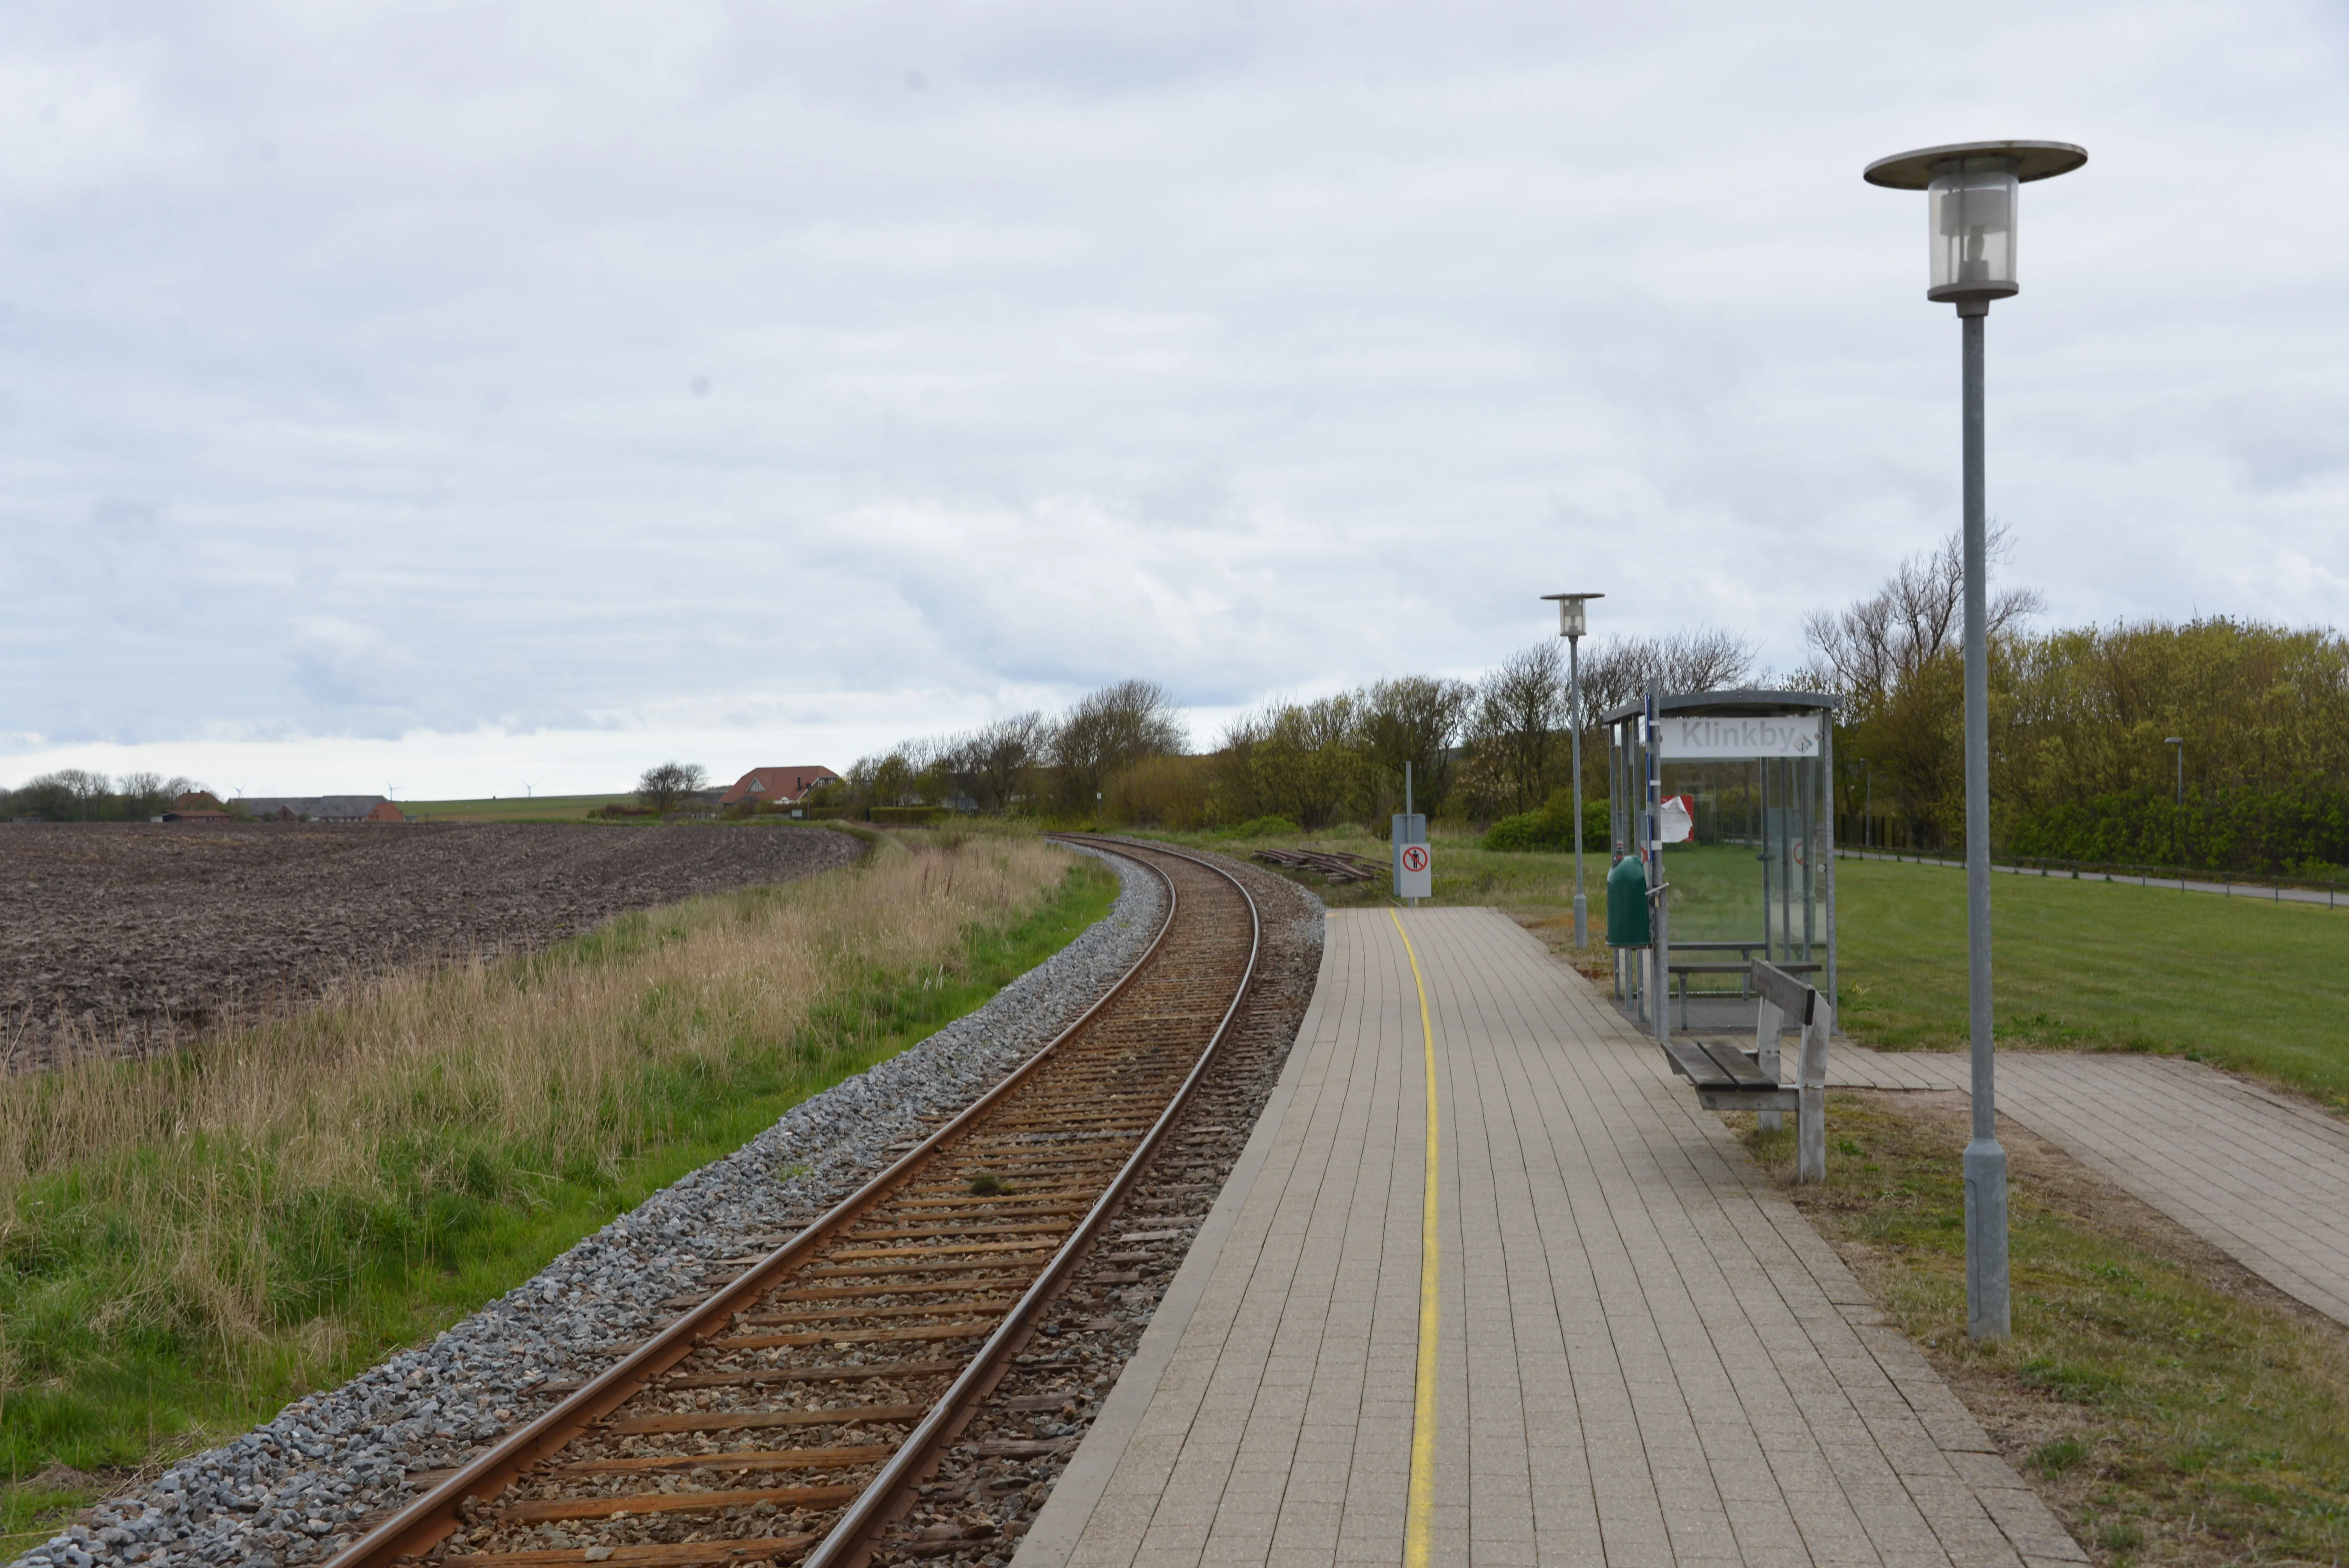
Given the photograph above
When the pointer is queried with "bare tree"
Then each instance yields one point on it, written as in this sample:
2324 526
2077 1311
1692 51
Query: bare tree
146 794
1519 717
1869 649
671 784
1414 719
1112 729
1618 669
1000 759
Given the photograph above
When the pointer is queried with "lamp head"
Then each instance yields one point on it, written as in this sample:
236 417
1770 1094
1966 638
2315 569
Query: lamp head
1971 188
1570 620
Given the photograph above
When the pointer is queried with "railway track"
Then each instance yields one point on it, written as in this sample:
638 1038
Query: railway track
790 1416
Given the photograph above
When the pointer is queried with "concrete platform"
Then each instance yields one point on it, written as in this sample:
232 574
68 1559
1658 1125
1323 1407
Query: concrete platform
1643 1353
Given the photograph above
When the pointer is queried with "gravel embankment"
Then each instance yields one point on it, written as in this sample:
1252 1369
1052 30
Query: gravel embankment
303 1487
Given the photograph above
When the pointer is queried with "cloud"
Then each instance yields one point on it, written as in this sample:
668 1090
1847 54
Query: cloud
495 371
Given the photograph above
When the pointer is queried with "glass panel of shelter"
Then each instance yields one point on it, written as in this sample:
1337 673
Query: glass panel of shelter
1754 882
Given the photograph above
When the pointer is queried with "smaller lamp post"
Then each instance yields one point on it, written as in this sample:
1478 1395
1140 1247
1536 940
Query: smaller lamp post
1571 624
2180 742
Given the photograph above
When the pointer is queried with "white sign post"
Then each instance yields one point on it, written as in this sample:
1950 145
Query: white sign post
1414 872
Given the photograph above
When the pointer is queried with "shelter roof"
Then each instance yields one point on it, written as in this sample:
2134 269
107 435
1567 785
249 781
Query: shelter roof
1725 704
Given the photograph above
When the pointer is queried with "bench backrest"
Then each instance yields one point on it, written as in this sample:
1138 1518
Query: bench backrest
1791 996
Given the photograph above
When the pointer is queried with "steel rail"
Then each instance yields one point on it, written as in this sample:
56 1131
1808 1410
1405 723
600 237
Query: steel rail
850 1541
423 1522
420 1524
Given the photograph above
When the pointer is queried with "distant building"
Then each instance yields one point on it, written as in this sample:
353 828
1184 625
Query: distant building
784 786
320 808
195 806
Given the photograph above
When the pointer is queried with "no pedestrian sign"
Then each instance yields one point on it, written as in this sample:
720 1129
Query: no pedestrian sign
1414 875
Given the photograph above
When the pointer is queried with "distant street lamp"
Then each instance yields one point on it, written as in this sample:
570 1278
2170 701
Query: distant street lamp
1971 188
2180 742
1571 625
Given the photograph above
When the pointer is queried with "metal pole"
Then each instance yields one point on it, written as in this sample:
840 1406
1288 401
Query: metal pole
1826 751
1660 991
1761 792
1581 904
1988 1310
1810 856
1406 806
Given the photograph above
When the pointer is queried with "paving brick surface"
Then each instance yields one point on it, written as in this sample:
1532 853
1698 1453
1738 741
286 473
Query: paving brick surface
2261 1176
1646 1354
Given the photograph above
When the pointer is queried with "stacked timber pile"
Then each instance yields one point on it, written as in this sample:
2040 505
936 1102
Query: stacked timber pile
1336 868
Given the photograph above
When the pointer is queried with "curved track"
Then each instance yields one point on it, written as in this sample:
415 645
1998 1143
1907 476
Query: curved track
788 1417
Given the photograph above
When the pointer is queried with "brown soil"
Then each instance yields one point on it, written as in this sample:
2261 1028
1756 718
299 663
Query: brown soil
126 937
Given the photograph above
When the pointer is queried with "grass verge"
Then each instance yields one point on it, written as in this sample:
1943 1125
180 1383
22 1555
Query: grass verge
188 1242
2170 1406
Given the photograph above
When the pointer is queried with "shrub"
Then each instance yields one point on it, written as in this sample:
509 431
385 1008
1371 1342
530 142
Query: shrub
2258 830
1550 830
1168 792
1264 828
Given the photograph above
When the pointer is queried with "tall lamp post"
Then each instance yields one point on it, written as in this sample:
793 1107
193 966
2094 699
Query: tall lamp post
2180 742
1971 188
1571 624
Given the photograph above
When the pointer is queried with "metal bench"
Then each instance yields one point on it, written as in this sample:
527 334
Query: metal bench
1730 1078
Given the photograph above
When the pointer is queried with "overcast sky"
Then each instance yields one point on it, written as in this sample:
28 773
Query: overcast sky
462 397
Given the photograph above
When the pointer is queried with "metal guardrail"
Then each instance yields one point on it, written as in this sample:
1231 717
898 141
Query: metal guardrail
2186 879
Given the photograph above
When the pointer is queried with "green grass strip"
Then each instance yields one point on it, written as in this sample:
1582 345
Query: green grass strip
2168 1406
84 1383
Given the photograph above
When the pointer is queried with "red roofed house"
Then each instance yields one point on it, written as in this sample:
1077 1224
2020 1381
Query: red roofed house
784 786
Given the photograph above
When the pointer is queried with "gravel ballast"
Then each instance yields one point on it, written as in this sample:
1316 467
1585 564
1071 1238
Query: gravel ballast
309 1483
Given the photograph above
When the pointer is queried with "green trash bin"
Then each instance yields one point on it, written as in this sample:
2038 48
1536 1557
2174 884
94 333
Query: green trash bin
1627 904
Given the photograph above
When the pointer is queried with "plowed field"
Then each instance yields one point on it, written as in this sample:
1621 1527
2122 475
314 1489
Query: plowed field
126 936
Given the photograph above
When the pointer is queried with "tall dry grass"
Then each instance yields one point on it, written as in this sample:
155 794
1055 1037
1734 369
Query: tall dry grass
228 1191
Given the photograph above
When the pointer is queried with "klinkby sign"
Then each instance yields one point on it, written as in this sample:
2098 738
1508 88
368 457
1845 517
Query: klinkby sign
1729 739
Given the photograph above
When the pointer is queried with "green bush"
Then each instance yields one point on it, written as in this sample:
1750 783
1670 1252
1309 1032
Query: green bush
2266 831
908 816
1550 830
1266 827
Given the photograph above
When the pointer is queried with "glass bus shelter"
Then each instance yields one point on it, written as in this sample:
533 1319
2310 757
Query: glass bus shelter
1749 857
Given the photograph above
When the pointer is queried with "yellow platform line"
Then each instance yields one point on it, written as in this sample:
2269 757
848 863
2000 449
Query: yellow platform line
1418 1530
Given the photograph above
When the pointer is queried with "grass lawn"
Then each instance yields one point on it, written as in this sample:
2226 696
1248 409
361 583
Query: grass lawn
2091 965
2171 1406
515 807
112 1356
